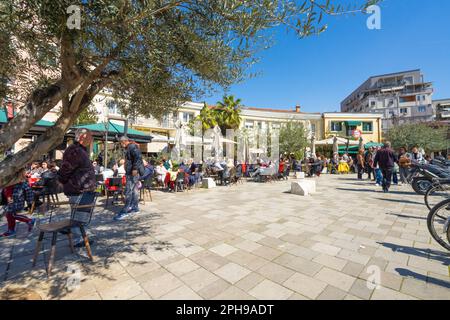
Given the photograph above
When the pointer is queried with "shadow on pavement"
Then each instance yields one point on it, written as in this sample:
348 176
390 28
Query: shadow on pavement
440 256
402 201
411 274
405 216
111 239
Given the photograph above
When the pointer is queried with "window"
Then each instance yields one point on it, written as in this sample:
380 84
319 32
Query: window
403 110
418 98
313 128
372 103
112 107
367 126
248 125
336 126
187 116
422 109
407 99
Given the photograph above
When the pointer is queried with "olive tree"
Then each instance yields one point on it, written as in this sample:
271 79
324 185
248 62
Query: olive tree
154 54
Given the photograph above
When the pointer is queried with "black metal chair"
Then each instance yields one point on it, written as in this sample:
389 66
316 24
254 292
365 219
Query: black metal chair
180 181
146 188
114 187
80 216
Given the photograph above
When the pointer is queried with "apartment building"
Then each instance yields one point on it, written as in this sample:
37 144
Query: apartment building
442 109
402 97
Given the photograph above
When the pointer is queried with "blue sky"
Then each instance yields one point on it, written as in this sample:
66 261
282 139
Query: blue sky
320 71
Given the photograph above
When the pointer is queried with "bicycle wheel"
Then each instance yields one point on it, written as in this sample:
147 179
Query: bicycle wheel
436 194
438 222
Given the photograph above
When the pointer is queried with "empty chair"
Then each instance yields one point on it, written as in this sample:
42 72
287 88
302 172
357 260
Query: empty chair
80 216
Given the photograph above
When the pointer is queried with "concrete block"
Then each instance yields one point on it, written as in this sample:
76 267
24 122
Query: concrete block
303 188
208 183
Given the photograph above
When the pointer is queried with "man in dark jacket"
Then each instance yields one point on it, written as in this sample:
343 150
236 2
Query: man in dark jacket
134 167
77 173
385 159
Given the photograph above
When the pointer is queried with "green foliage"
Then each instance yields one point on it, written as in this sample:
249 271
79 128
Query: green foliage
226 115
430 138
158 53
87 116
293 139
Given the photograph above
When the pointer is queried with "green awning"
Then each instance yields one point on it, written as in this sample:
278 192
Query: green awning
351 149
114 129
353 123
40 123
372 145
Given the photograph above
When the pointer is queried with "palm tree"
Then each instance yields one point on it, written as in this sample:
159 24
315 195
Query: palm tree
228 113
207 118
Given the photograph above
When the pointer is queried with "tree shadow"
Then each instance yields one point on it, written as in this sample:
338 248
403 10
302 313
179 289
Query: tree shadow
408 273
111 240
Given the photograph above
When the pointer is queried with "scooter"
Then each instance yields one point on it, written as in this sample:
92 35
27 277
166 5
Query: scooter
421 176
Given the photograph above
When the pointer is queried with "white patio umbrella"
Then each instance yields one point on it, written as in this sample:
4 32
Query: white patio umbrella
335 145
313 146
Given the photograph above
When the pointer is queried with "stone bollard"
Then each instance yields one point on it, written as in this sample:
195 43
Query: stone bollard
208 183
303 188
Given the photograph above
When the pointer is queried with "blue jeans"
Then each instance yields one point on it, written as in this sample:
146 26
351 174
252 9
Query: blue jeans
378 176
131 193
394 178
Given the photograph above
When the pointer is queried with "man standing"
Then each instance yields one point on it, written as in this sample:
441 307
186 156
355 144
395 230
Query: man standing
368 160
77 173
134 167
385 158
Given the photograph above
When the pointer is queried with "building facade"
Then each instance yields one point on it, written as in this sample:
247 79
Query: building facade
442 109
344 124
403 97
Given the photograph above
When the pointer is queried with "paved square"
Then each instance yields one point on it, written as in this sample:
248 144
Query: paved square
250 241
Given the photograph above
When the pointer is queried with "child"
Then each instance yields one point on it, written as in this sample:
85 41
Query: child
15 196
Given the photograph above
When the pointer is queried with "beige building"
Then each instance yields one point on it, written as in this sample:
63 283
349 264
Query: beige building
343 124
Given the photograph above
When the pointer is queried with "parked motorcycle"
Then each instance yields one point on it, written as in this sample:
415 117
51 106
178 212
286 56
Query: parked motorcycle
421 176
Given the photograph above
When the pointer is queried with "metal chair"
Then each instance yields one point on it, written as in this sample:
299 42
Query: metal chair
179 181
146 187
80 216
113 186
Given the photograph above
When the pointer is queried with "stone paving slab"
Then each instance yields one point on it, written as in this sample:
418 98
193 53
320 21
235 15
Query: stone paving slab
348 241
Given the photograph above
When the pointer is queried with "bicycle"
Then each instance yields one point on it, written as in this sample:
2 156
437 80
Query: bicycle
438 191
438 223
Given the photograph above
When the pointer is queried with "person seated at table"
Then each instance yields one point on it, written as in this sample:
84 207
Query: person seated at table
281 165
167 164
47 181
161 172
97 169
226 173
54 165
35 170
44 166
14 202
121 168
183 165
171 177
343 166
148 170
